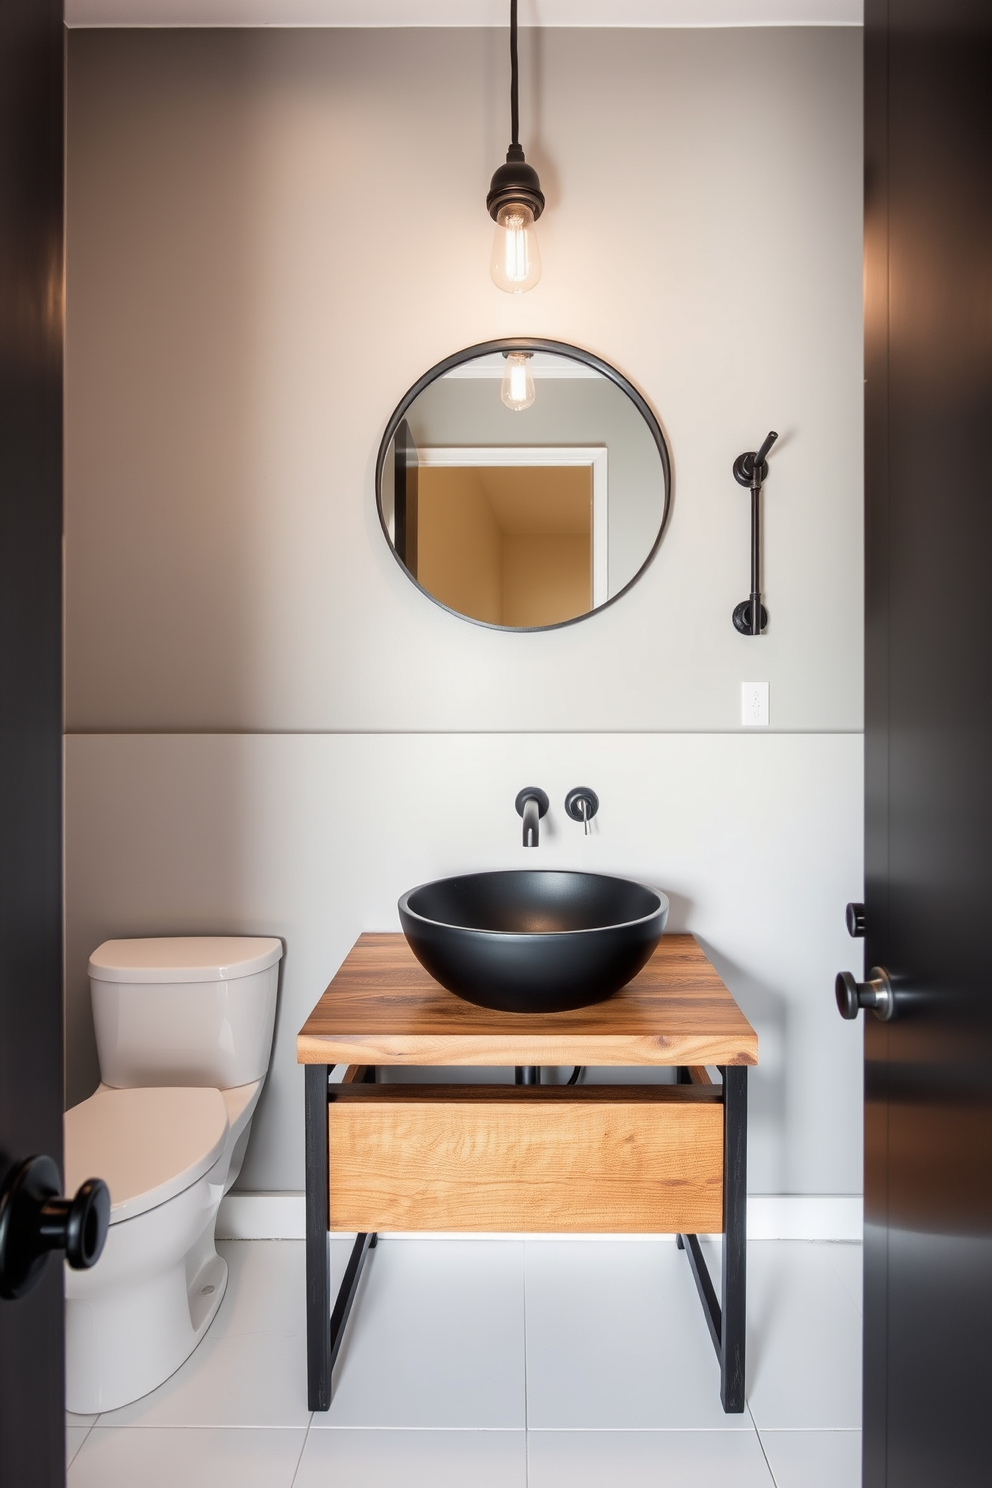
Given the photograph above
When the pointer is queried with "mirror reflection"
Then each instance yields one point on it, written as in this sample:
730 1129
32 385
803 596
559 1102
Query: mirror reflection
523 487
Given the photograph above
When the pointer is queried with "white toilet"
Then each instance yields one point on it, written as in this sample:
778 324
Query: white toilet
184 1033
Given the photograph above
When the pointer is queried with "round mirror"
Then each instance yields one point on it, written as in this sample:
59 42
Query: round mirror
523 484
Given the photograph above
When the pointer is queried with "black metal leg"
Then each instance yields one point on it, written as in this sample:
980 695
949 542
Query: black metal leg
707 1293
318 1219
325 1329
346 1296
734 1236
727 1324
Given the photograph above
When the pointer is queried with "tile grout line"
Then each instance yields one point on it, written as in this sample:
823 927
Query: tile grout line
771 1472
82 1444
303 1447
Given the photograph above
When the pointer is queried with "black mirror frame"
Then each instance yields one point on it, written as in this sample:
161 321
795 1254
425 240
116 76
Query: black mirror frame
532 344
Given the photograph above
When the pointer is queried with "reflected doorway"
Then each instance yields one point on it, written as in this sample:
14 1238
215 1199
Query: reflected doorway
510 536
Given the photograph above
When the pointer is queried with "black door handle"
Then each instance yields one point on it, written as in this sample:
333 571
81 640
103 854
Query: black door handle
875 994
34 1220
855 916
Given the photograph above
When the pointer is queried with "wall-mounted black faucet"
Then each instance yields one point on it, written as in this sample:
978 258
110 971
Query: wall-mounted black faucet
751 470
532 803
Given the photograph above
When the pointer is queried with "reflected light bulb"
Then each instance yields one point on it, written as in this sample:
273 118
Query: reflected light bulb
517 391
516 260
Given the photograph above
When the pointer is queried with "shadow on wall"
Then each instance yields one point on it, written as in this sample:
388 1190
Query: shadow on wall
768 1012
171 371
164 852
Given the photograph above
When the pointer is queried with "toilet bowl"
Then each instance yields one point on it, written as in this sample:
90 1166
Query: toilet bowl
184 1031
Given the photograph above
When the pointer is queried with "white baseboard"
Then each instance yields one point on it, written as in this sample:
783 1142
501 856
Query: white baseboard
282 1216
804 1216
262 1216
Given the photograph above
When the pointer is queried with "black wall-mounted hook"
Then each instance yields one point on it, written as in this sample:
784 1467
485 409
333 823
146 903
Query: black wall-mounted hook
751 470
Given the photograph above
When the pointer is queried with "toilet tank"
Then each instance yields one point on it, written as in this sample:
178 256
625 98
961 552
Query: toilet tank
185 1010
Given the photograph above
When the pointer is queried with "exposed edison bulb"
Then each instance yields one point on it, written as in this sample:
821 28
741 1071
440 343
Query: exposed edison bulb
517 391
516 260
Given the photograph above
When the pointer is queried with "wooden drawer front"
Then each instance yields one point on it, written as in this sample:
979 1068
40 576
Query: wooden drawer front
584 1167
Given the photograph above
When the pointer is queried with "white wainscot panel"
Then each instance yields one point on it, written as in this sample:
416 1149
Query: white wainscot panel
756 840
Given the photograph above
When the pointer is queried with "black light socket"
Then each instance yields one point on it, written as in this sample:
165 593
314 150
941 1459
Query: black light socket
516 181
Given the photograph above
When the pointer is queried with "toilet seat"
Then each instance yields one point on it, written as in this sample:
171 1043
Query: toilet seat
148 1144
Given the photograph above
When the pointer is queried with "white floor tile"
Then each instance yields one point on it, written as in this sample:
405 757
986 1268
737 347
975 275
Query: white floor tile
814 1459
646 1459
847 1260
804 1340
196 1459
251 1379
435 1338
266 1288
415 1459
622 1380
617 1340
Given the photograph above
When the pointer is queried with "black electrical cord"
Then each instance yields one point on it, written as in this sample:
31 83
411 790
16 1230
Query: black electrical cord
573 1078
514 101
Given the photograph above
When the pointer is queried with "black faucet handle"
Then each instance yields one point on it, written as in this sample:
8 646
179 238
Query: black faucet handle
581 804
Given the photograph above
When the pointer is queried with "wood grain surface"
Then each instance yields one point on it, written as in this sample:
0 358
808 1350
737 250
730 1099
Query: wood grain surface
383 1008
596 1167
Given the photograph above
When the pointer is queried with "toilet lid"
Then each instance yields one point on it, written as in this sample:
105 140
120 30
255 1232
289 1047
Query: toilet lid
184 958
147 1145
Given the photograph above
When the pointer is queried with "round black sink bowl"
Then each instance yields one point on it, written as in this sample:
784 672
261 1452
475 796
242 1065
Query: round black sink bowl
533 941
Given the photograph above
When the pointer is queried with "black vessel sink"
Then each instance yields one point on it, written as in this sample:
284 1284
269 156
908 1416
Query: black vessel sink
533 941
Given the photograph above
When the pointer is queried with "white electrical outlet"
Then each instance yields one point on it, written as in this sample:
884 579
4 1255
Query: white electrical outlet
754 704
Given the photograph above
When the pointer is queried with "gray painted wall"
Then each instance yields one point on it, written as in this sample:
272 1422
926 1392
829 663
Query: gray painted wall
257 273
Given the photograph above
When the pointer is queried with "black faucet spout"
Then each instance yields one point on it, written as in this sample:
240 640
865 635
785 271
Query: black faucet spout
532 803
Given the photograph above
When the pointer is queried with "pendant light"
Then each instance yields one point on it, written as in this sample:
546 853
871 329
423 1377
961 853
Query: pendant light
517 391
515 201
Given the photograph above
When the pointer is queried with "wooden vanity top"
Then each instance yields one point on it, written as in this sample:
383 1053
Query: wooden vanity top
383 1008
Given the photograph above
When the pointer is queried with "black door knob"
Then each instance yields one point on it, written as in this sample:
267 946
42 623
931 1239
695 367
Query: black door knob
34 1220
875 994
855 915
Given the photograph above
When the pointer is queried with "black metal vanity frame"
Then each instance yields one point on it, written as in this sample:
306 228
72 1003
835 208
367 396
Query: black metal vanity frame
326 1324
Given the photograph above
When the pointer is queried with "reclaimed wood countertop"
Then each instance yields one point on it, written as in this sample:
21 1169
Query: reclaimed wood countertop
382 1007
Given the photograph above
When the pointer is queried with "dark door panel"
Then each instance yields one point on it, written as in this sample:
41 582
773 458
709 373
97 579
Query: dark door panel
31 87
928 1073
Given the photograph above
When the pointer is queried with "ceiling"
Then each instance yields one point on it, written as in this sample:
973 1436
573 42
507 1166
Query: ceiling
463 12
